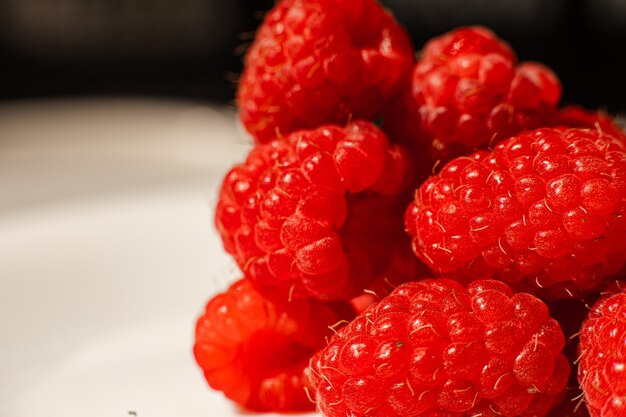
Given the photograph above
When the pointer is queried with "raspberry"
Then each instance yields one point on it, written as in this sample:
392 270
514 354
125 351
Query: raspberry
321 61
318 213
255 351
467 92
574 116
602 368
545 209
435 348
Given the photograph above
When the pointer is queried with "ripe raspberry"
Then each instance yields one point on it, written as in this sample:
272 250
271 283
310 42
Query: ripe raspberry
321 61
574 116
545 209
466 92
602 368
316 214
433 348
255 351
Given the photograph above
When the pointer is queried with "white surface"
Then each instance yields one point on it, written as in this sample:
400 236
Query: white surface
107 256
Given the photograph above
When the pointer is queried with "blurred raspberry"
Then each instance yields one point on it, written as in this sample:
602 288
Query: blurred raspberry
575 116
255 351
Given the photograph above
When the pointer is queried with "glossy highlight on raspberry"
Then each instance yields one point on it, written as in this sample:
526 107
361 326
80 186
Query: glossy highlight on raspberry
435 348
317 213
468 91
543 211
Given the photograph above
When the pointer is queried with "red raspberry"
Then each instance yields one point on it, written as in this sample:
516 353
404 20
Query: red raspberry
467 92
255 351
433 348
316 214
321 61
602 368
574 116
545 209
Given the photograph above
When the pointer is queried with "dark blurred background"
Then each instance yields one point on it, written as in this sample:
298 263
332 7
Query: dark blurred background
192 49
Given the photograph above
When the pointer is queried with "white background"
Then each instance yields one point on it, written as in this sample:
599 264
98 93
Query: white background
108 255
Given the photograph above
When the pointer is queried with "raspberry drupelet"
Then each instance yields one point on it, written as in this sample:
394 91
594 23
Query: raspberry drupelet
544 210
256 351
318 213
602 366
467 92
321 61
434 348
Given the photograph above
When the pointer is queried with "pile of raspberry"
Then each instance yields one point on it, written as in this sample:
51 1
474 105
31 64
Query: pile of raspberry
418 235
